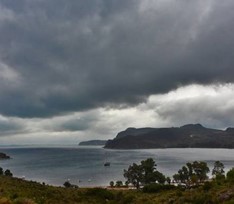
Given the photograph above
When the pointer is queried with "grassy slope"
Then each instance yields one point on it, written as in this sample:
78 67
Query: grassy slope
13 190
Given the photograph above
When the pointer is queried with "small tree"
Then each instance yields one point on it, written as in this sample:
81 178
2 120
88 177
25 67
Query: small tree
230 175
126 183
112 184
1 171
144 173
67 184
168 180
201 169
176 178
148 167
118 183
218 170
192 173
8 173
134 174
159 177
182 176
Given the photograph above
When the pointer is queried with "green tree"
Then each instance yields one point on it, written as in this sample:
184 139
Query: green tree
192 173
201 169
1 171
182 176
67 184
168 180
190 168
230 175
144 173
148 167
218 170
159 177
119 183
112 183
134 174
126 183
8 173
176 178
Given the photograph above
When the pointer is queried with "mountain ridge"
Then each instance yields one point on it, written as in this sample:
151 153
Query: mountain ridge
190 135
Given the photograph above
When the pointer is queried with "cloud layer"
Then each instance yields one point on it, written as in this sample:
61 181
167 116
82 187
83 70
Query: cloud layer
62 56
76 70
210 105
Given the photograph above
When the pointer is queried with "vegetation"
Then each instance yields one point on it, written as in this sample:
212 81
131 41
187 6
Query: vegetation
119 183
192 174
155 188
218 170
67 184
112 183
8 173
187 136
230 175
144 173
18 191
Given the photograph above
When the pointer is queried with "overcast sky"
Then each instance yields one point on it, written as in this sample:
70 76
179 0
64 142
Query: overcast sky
73 70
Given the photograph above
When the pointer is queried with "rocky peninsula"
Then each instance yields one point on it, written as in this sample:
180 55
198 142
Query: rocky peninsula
187 136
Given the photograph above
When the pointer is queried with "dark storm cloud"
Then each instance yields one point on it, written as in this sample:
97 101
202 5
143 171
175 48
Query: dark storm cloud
61 56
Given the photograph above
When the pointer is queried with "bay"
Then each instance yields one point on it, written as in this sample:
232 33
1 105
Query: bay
84 166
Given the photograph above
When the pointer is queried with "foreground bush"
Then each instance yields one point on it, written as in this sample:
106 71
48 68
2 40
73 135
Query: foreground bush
230 175
155 187
100 193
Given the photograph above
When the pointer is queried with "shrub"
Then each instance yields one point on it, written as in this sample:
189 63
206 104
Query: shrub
202 198
67 184
112 183
119 183
122 198
14 196
8 173
219 177
1 171
230 175
207 186
100 193
155 187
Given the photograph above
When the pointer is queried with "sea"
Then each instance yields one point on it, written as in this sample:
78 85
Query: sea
84 165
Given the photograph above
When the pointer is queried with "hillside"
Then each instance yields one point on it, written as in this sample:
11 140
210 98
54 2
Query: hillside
191 135
17 191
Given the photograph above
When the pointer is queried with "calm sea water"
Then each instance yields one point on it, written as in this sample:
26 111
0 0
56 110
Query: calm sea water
54 165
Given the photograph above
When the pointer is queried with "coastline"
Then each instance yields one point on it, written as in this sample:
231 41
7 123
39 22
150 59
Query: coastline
55 165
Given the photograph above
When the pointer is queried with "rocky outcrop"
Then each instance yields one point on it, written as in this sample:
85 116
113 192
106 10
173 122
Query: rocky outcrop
4 156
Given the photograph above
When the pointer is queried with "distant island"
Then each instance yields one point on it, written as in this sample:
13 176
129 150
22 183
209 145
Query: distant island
93 142
187 136
4 156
